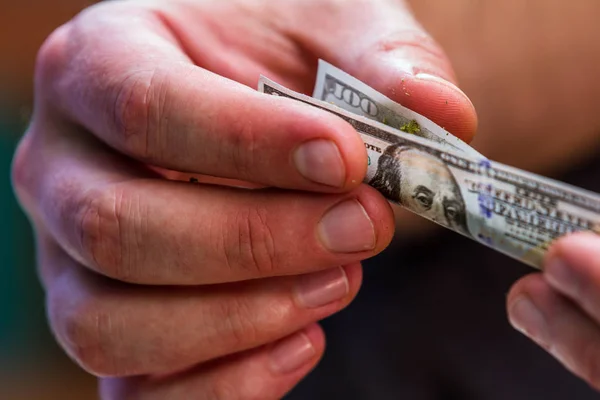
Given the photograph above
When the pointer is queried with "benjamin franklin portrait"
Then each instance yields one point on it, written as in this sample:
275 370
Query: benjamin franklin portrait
422 183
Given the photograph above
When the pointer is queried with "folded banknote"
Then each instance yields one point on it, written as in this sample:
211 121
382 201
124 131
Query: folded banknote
417 164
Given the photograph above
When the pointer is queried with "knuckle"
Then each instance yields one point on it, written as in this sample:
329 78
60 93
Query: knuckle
244 149
87 330
239 323
107 222
138 102
131 110
52 56
21 174
249 243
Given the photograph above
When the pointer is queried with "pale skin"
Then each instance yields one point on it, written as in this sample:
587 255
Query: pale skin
166 289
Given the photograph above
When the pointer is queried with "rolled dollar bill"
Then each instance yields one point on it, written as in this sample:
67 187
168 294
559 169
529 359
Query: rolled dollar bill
515 212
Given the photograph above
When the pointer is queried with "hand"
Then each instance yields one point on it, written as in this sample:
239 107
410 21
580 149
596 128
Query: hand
560 309
165 288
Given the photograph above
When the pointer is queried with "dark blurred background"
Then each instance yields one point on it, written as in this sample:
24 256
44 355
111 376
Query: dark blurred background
530 68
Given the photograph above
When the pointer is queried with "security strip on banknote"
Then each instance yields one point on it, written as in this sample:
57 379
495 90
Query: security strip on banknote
515 212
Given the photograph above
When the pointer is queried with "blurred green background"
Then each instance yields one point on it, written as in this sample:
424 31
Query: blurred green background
521 62
31 364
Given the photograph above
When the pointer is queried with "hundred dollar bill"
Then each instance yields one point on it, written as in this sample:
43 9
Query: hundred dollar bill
515 212
337 87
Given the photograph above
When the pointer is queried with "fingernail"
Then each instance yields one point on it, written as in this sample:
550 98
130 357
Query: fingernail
561 276
526 318
347 228
321 288
291 353
432 78
320 161
428 77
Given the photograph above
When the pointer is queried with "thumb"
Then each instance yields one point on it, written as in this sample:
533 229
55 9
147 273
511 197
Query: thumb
381 44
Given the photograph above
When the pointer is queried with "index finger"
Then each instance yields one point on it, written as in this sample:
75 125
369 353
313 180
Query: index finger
126 80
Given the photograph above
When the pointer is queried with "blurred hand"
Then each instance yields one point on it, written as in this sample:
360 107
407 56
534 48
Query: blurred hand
560 309
165 288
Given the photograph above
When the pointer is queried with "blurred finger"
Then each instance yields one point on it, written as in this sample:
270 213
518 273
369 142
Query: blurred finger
557 325
115 329
572 267
265 373
155 105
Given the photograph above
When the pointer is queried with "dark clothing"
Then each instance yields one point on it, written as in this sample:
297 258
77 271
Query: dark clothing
430 324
